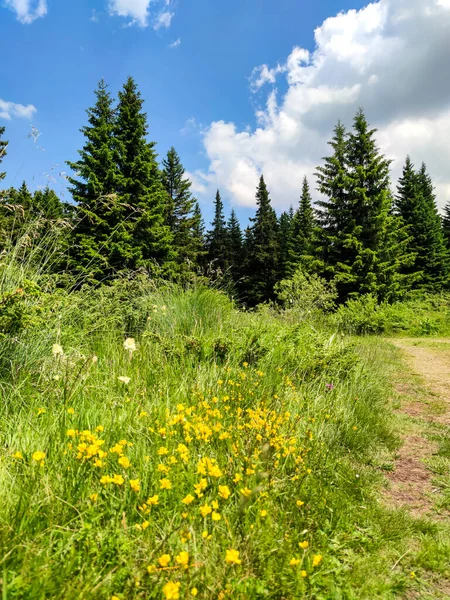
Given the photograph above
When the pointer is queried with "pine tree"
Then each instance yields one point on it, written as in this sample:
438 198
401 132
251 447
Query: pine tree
435 257
446 224
142 237
416 204
93 189
334 213
47 204
303 226
198 236
234 247
3 147
285 241
363 245
216 239
179 213
263 249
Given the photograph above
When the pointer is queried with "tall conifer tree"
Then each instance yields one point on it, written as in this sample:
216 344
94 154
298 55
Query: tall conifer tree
446 224
217 237
234 246
142 237
93 188
362 246
180 210
416 204
263 252
285 241
303 225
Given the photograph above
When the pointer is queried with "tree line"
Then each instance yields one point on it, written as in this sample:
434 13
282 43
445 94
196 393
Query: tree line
131 213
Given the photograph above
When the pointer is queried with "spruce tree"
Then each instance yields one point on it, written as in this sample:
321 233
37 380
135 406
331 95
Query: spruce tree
303 225
93 189
47 204
334 213
416 204
142 237
362 244
217 238
446 224
180 215
198 236
263 252
285 241
234 247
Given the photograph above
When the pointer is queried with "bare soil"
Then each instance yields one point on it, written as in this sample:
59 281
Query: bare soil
424 402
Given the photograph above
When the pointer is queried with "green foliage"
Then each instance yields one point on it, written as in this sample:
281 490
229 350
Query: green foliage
302 233
235 248
182 213
416 204
262 250
361 244
421 316
305 294
217 238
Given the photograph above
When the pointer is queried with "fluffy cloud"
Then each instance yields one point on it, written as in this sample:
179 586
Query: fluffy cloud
139 12
28 11
163 19
8 110
391 57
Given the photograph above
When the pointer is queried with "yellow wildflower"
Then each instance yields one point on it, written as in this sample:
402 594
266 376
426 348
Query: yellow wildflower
164 560
135 485
317 559
299 503
224 492
153 500
163 450
232 557
303 573
205 510
106 479
93 498
145 524
246 492
124 462
183 559
216 516
171 590
99 428
188 499
294 562
17 454
194 591
71 433
263 513
38 456
41 411
165 484
304 545
118 479
237 478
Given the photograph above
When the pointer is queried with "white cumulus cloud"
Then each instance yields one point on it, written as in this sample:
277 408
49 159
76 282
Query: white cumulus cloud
139 13
9 110
28 11
391 57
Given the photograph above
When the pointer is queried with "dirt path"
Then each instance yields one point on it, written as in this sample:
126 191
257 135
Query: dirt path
424 403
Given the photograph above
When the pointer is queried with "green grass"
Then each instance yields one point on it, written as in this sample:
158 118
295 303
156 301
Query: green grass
296 422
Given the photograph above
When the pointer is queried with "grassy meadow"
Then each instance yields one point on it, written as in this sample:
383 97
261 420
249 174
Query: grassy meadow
156 442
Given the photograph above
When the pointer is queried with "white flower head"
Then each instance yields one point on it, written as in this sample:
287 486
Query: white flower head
57 350
130 345
123 379
94 359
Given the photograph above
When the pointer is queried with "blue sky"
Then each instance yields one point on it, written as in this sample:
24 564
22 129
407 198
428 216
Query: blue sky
239 87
